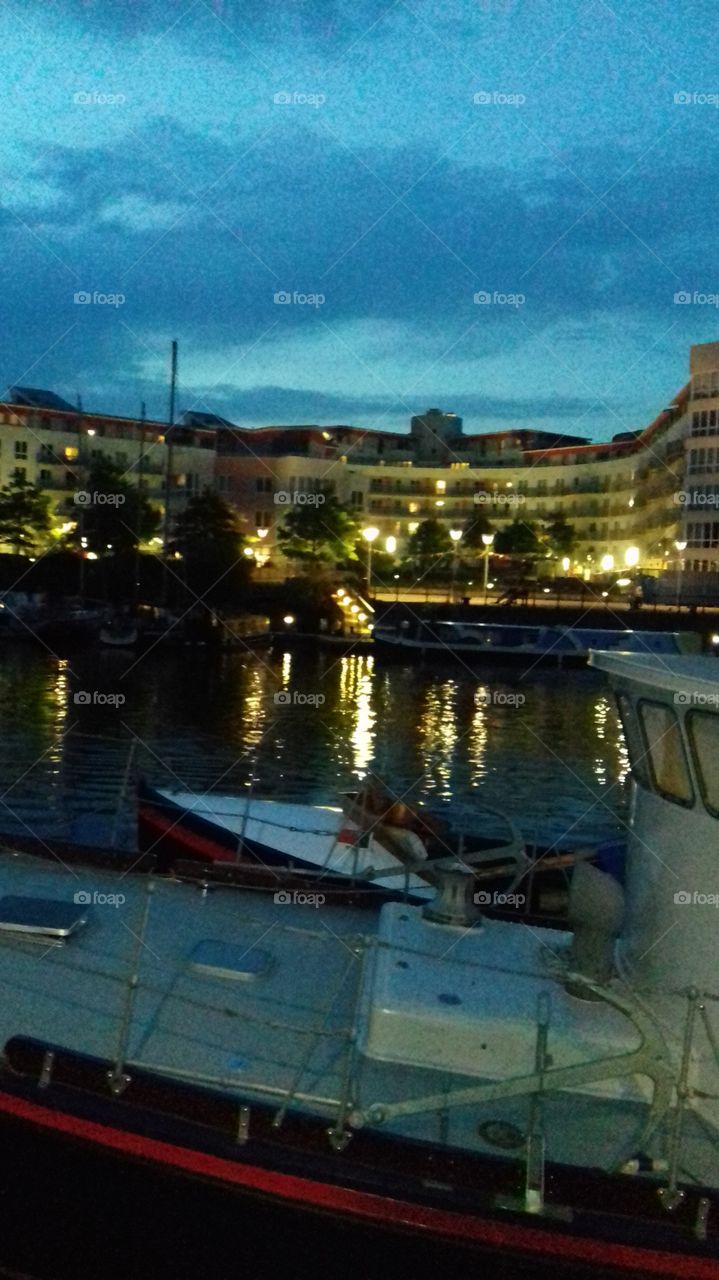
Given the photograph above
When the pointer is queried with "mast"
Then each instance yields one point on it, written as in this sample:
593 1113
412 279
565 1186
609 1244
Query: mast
168 468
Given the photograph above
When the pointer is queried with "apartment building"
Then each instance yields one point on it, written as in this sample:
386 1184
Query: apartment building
630 500
637 499
48 442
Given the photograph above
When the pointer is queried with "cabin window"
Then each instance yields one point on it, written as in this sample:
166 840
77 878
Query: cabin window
667 759
703 730
638 758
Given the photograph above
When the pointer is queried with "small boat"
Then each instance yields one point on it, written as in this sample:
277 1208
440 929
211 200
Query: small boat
421 1089
119 635
372 848
507 642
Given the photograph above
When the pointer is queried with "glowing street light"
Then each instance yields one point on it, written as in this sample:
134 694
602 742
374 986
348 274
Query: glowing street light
566 563
607 563
390 545
487 539
681 546
456 536
369 535
631 557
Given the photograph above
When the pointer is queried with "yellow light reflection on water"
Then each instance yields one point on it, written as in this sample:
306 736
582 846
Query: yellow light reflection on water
438 736
356 691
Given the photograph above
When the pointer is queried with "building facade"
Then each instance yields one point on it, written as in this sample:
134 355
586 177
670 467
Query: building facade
648 498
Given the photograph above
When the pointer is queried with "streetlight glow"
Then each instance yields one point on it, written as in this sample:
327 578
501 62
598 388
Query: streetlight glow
607 563
631 557
390 544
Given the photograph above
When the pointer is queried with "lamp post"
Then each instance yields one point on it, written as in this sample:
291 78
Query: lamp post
369 536
456 536
681 546
487 539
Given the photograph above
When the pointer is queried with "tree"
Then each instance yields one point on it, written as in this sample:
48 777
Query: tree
517 539
559 536
472 533
429 542
111 512
209 538
319 533
24 515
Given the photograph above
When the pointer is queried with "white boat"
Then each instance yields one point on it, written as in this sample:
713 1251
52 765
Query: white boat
465 1091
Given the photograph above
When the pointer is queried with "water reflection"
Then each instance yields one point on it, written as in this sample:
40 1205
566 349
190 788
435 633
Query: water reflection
549 751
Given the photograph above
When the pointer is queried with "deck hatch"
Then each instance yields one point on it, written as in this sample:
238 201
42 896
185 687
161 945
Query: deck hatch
215 959
41 917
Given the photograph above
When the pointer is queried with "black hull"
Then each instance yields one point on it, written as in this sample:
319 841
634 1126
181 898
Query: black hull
95 1186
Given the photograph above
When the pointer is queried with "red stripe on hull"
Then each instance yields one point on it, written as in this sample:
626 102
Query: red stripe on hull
200 846
381 1210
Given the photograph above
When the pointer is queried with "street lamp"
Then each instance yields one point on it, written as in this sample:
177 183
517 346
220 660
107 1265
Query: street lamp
456 536
566 562
631 557
681 545
487 539
390 545
369 536
607 563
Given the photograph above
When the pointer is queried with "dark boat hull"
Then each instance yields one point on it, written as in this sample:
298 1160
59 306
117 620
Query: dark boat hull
163 1181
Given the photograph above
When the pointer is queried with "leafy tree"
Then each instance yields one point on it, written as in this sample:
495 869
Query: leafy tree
322 533
559 536
429 542
24 515
517 539
209 538
111 511
472 533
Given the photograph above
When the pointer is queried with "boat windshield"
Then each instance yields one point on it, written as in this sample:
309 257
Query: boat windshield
703 731
662 736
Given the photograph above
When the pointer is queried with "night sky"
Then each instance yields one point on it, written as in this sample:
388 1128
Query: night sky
145 155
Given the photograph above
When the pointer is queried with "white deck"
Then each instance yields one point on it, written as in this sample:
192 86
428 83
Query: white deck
286 1034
